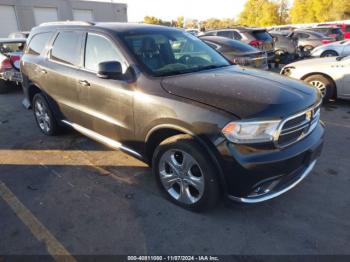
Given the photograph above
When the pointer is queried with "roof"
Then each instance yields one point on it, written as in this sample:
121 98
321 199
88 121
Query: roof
112 26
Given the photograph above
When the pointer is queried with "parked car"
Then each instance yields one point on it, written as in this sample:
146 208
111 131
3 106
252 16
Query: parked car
237 52
22 35
340 48
282 29
331 75
345 28
11 51
205 126
308 40
193 31
330 31
256 37
286 48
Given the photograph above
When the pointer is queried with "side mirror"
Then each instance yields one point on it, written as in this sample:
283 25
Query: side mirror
110 70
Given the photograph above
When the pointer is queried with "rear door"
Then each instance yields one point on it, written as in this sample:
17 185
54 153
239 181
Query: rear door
61 70
108 103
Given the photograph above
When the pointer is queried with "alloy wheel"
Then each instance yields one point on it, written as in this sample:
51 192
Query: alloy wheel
42 116
320 86
181 176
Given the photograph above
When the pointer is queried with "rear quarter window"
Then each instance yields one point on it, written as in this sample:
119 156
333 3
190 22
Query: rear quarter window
38 43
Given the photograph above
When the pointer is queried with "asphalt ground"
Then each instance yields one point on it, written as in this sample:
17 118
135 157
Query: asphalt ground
68 195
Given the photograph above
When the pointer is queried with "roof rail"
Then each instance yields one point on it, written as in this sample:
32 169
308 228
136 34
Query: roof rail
67 23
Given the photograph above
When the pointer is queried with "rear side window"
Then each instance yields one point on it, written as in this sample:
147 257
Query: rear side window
99 49
262 35
66 48
228 34
38 42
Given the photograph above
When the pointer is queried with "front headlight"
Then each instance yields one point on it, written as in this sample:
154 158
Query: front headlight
241 132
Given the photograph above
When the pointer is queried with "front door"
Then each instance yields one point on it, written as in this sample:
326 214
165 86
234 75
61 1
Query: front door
108 103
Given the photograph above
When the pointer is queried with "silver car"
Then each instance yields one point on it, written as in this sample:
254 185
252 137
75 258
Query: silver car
331 75
340 48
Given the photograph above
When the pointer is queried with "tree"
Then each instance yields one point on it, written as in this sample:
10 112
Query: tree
308 11
152 20
180 22
260 13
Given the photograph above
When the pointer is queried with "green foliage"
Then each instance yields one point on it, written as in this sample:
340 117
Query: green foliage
213 23
180 22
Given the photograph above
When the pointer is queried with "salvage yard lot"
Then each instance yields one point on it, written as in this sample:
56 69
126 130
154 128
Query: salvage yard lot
93 200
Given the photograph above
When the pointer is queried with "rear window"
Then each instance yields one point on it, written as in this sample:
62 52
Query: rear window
66 48
38 42
241 47
262 35
336 31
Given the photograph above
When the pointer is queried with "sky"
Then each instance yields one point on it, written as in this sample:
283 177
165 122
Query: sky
190 9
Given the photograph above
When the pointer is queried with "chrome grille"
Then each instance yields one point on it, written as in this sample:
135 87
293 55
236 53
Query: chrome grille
298 126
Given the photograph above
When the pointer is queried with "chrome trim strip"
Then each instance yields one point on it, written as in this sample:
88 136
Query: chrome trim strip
102 139
271 195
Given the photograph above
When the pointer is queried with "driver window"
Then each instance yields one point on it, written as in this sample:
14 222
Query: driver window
99 49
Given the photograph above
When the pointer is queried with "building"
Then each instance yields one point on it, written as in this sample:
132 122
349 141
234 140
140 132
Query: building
23 15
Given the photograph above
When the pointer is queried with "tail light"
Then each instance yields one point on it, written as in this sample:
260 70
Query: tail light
255 43
324 41
5 64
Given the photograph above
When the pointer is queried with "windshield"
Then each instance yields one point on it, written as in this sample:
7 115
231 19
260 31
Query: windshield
172 52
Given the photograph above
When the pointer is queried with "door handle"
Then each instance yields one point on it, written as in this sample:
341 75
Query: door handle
84 83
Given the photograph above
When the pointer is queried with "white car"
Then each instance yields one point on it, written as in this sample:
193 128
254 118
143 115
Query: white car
331 75
340 48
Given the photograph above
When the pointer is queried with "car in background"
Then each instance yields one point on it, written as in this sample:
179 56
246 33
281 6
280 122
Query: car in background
286 29
340 48
308 40
11 51
193 31
23 35
237 52
286 47
330 75
345 28
256 37
330 31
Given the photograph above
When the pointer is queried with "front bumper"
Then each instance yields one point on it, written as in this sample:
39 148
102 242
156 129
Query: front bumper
254 175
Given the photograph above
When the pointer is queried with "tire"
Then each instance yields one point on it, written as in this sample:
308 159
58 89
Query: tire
3 87
197 180
44 117
329 53
324 84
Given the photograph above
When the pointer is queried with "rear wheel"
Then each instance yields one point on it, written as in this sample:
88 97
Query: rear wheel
185 173
44 116
323 84
329 53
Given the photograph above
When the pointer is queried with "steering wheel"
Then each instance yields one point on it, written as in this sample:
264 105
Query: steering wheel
185 58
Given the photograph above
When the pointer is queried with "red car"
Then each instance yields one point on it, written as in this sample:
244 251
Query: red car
345 28
11 51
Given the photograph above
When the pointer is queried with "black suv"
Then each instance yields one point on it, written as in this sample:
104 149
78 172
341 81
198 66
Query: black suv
205 126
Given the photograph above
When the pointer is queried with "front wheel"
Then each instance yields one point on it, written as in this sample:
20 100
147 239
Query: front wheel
329 54
323 84
185 173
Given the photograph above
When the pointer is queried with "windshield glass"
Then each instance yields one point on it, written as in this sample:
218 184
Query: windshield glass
172 52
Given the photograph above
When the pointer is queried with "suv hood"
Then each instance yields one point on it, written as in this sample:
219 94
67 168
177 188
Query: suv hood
246 93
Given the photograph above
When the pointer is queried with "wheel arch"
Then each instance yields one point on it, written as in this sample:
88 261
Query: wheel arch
161 132
329 51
